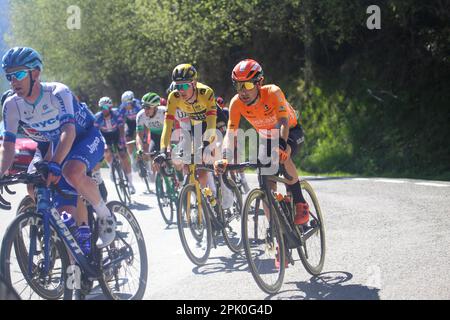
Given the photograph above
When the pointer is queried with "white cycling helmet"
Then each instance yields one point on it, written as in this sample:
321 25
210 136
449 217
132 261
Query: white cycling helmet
127 96
105 101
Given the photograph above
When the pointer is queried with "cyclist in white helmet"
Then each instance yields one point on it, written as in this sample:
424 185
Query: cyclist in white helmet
128 110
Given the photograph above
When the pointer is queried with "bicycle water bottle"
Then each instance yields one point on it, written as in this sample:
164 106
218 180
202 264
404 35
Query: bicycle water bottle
83 236
208 194
70 222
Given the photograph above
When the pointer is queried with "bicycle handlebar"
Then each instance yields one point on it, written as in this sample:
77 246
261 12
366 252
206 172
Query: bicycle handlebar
36 178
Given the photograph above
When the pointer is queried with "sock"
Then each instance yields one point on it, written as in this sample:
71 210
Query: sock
101 209
296 192
130 178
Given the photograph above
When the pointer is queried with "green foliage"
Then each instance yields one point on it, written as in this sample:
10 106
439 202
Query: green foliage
371 101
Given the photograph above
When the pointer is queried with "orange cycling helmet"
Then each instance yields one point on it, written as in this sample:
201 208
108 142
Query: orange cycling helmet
247 70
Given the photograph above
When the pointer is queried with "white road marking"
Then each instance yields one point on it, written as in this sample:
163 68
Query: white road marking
390 181
431 184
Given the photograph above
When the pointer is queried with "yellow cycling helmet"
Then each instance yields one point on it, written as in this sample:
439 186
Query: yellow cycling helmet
184 72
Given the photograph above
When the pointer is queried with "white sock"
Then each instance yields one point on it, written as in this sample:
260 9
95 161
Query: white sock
211 184
130 178
243 178
102 210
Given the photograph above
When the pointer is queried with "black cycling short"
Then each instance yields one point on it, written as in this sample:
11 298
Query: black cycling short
113 138
131 129
295 139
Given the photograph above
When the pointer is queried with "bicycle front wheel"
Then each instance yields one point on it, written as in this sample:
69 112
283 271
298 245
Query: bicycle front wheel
312 253
167 206
124 261
22 260
194 225
120 183
232 231
263 242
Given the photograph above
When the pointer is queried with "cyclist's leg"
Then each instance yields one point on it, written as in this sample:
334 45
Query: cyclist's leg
295 140
78 162
130 134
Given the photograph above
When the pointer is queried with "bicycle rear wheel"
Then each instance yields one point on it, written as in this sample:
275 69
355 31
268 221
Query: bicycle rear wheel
194 228
312 254
263 243
232 231
30 281
124 261
165 200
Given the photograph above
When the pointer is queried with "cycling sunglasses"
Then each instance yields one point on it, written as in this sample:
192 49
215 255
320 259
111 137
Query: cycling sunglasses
183 86
19 75
247 85
148 105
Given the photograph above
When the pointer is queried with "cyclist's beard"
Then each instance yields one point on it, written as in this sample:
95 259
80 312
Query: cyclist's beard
253 101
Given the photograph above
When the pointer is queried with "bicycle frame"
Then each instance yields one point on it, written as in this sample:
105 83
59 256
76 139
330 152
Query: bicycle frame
52 217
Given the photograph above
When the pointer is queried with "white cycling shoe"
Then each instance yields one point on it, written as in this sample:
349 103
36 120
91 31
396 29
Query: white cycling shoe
132 189
106 231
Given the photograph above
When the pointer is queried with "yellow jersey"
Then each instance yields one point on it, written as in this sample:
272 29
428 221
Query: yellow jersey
203 109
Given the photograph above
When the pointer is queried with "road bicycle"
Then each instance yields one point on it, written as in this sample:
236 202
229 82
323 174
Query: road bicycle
168 183
269 234
119 177
41 259
201 219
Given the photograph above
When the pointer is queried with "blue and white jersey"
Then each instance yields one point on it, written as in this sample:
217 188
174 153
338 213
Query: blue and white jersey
43 120
110 124
129 114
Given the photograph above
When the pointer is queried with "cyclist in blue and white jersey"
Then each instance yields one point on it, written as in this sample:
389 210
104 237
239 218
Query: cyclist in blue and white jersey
129 109
51 110
111 125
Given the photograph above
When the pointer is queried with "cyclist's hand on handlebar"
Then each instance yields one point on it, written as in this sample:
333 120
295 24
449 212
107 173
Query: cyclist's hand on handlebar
54 173
160 158
220 166
283 154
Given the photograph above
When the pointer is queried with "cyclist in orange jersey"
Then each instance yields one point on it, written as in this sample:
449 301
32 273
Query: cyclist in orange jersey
266 108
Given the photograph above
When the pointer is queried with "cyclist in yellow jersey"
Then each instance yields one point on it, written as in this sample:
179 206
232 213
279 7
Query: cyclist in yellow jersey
197 101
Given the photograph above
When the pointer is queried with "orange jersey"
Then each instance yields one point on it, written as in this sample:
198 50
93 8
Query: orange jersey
266 113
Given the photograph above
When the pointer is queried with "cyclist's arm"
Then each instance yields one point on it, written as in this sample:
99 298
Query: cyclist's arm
65 143
211 115
7 153
64 99
281 105
11 123
140 143
233 125
168 122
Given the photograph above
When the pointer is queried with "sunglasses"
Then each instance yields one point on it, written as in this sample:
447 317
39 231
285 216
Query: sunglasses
19 75
247 85
148 106
183 86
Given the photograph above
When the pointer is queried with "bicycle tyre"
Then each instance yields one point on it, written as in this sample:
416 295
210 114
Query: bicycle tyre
164 199
236 215
250 220
197 232
316 219
119 246
13 239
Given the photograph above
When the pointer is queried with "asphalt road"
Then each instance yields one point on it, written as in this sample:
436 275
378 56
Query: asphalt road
386 239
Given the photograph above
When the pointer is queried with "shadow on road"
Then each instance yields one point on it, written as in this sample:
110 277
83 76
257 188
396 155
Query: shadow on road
328 286
235 263
139 206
